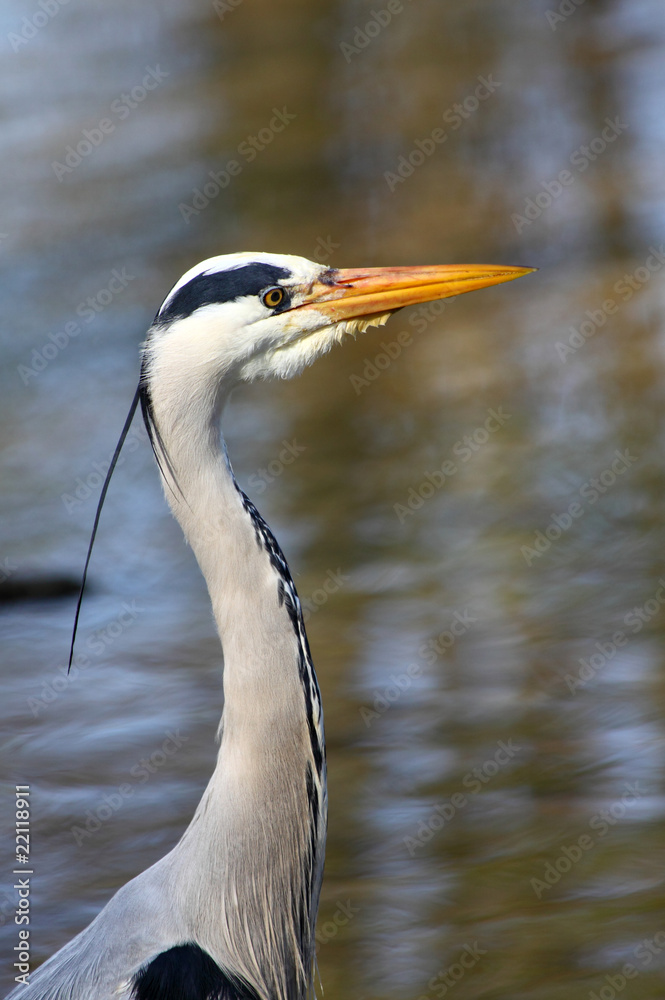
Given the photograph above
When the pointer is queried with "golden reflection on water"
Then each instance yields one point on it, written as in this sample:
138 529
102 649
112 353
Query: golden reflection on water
491 663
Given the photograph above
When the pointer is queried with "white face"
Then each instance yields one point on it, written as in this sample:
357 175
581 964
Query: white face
248 316
256 315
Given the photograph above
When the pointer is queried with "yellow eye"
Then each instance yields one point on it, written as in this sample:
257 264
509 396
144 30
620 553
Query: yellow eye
273 297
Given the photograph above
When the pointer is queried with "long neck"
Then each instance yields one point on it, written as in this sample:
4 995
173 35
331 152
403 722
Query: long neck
258 833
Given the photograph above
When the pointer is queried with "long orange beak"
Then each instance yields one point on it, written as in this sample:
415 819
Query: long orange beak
355 292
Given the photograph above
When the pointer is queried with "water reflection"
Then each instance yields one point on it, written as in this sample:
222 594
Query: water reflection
423 867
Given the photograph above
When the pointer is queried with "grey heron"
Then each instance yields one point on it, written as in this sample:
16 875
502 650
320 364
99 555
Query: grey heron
229 913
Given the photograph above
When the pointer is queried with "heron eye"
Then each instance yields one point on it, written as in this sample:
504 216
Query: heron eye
273 297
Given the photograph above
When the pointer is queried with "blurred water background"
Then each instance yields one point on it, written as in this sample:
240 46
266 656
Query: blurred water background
489 633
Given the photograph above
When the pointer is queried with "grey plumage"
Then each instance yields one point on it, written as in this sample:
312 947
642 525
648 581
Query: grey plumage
232 908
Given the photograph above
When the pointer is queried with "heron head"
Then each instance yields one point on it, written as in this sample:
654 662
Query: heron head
245 316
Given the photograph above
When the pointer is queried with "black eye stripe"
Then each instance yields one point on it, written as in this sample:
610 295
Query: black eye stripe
222 286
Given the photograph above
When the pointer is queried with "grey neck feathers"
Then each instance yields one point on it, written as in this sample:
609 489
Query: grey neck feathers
258 834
